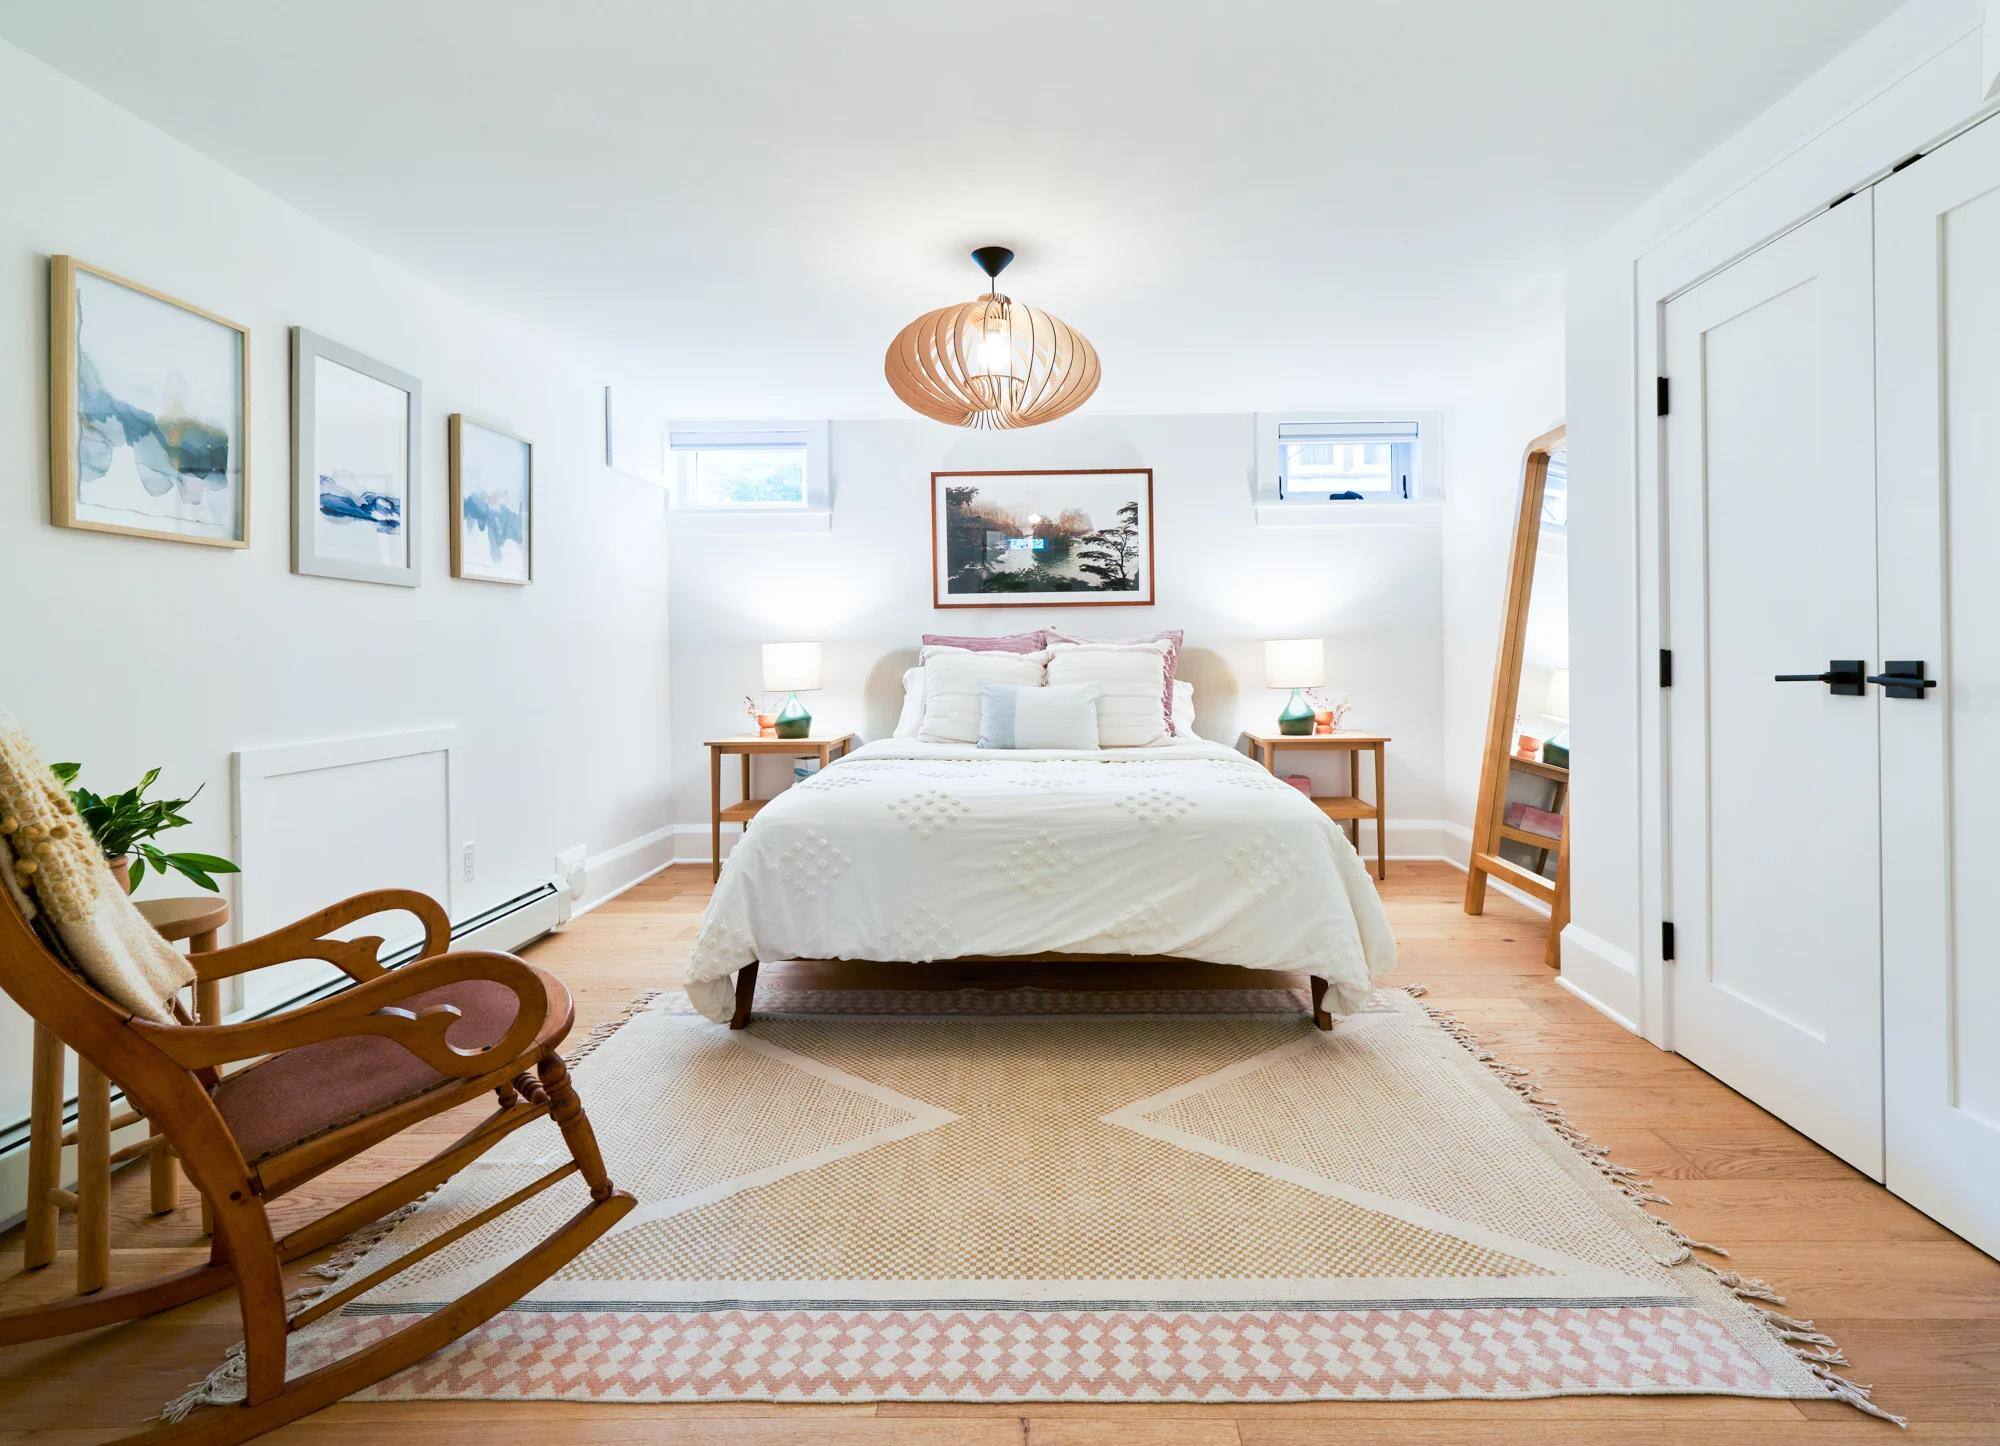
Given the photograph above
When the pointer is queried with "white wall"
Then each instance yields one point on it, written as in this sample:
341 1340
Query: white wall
126 653
1910 80
1378 594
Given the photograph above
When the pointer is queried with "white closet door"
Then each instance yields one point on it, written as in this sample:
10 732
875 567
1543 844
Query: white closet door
1938 316
1770 479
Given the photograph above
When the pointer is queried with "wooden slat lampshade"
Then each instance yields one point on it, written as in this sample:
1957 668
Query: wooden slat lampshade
992 363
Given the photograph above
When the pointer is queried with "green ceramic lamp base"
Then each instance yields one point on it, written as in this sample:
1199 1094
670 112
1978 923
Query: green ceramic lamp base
793 720
1298 715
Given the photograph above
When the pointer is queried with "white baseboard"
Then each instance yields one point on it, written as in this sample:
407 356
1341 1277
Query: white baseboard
612 872
1602 975
1414 840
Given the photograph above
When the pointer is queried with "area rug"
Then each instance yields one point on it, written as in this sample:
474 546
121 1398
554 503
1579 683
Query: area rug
1028 1195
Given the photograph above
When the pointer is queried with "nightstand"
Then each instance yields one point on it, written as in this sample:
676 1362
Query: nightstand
1346 809
742 811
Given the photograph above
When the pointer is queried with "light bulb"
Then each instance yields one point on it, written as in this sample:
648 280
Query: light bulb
996 346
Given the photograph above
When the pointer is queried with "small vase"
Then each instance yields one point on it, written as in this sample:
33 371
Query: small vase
1322 720
121 870
793 720
767 725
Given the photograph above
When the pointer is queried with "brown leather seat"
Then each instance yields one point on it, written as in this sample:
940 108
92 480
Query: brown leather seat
289 1098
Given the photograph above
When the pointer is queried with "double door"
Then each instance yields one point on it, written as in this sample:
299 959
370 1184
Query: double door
1832 478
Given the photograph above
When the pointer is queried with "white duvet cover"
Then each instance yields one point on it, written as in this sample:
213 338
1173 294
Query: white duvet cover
915 851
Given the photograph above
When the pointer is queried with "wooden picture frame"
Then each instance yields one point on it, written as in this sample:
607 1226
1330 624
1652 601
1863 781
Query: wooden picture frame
114 433
1044 485
389 500
461 434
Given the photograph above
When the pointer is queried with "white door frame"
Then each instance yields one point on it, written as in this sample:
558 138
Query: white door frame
1917 112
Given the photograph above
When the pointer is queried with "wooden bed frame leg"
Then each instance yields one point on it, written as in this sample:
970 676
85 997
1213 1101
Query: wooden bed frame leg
746 986
1321 1019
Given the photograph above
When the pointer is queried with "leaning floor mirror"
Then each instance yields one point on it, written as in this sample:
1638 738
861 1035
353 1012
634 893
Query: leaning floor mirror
1520 836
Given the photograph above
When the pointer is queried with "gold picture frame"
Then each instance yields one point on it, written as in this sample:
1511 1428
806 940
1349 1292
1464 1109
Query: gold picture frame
172 441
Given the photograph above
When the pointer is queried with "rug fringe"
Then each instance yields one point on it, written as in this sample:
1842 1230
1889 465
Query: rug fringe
1817 1352
227 1383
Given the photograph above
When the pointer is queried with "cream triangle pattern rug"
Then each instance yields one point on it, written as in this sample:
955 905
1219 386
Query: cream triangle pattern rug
1028 1195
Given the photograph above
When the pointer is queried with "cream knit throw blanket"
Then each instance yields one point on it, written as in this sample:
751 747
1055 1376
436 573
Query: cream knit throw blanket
57 866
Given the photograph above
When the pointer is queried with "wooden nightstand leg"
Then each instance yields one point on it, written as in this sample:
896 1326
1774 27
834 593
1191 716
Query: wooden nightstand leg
93 1178
45 1132
1381 820
1353 825
714 814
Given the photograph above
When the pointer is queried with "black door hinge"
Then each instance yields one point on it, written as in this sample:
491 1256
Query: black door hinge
1659 396
1666 938
1666 667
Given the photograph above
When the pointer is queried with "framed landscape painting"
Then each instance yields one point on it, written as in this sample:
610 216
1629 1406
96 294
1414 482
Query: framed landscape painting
149 402
1042 539
355 423
492 503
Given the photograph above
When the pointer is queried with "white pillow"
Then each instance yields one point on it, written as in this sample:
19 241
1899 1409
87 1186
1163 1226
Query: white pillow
951 688
1183 709
1011 716
912 716
1131 712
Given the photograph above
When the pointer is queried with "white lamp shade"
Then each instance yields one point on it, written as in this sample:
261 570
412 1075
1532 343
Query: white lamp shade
791 667
1556 705
1295 663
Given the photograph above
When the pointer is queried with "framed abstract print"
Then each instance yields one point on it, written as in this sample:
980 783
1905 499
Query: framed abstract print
149 412
355 474
1042 539
492 502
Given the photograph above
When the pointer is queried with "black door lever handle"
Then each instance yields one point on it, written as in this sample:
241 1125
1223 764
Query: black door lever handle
1901 679
1843 677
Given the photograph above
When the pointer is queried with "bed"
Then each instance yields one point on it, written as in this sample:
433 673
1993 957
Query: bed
917 851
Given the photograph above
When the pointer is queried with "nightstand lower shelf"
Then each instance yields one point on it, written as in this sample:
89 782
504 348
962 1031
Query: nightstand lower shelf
741 812
1345 806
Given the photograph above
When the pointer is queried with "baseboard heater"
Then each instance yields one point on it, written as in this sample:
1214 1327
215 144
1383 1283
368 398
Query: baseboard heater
504 927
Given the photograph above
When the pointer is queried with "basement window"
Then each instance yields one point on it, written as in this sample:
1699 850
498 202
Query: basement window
775 471
1344 466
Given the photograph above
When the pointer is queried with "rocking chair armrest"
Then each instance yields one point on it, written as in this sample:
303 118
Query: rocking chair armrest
374 1007
305 939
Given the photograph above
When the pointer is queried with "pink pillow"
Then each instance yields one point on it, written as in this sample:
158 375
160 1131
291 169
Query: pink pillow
1012 643
1171 638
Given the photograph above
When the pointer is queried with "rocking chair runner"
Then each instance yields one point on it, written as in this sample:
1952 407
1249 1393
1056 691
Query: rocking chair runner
335 1078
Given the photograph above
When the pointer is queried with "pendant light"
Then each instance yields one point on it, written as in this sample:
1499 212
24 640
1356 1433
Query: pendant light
991 363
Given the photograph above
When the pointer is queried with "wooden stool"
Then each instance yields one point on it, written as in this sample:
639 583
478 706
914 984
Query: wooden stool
196 920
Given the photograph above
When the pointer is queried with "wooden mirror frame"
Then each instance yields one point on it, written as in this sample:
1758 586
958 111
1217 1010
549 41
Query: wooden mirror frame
1494 770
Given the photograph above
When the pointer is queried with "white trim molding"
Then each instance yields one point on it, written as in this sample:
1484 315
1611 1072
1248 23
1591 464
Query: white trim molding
1602 975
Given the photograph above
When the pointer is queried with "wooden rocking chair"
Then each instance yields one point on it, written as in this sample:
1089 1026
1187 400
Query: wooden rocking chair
334 1078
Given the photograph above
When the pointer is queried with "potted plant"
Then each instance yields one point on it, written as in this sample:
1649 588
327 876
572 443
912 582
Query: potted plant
124 824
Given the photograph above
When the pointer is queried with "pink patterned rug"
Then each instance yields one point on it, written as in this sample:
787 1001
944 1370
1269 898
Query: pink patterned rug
1036 1196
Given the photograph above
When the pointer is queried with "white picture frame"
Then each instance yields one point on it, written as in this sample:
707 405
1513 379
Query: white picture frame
357 483
492 502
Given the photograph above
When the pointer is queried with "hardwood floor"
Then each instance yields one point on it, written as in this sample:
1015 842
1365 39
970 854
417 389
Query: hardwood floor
1916 1309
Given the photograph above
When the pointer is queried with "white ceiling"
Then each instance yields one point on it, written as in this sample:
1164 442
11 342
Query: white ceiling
735 204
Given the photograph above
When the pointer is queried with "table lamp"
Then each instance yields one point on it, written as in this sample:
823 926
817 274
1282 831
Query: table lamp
1295 663
791 669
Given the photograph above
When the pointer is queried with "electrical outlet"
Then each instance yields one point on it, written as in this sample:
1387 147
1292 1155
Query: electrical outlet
465 862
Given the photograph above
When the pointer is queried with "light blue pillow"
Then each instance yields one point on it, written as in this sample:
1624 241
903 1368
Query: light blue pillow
1013 715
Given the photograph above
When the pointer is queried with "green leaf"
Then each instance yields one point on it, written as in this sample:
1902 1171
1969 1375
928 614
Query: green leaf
210 862
138 873
147 782
199 877
159 859
66 772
